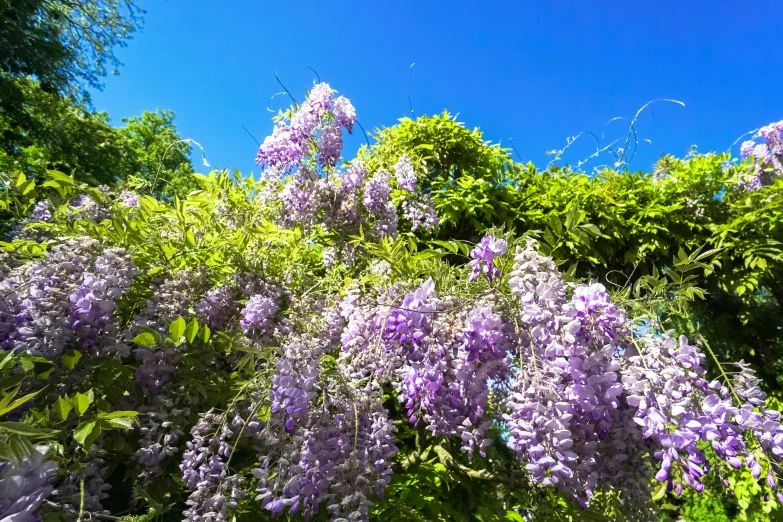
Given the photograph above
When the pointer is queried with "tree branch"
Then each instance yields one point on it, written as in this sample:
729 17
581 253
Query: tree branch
508 477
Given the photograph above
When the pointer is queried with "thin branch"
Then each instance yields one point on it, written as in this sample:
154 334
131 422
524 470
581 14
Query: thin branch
515 149
296 103
250 134
507 477
272 98
410 102
754 131
365 133
636 117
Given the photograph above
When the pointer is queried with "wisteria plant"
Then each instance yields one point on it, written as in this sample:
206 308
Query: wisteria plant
288 346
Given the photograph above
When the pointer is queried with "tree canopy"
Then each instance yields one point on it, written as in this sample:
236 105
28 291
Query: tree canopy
67 45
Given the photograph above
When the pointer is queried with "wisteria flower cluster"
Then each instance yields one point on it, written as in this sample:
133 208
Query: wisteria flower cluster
766 156
66 300
484 258
313 192
24 486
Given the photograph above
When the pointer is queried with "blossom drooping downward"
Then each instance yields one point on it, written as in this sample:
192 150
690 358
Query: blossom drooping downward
484 257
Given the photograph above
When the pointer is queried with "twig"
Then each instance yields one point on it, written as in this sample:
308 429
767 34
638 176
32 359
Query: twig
447 460
365 134
251 135
160 165
81 500
515 149
410 103
720 367
316 73
296 103
636 117
275 95
754 131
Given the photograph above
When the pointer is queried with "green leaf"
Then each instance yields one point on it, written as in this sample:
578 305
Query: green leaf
145 339
6 453
86 433
63 408
28 188
120 414
571 217
191 330
26 430
121 423
80 403
6 359
5 408
263 414
204 334
177 329
514 516
591 229
557 225
660 492
19 447
71 358
60 177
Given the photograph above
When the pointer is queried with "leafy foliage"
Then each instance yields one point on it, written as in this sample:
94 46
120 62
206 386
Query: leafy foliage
466 175
621 227
185 347
66 44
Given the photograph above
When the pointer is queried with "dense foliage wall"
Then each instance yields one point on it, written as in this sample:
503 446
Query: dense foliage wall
621 227
430 331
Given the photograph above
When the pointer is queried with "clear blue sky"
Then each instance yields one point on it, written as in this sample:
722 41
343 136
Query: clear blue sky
536 72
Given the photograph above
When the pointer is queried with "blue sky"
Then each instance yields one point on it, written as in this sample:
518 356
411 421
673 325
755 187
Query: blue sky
535 72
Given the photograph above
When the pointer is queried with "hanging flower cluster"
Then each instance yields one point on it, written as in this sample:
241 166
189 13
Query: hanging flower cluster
766 157
25 485
343 201
484 258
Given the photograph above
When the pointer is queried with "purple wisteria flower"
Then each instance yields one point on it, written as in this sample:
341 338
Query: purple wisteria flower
354 177
767 164
25 485
746 149
405 173
484 257
258 315
93 303
376 191
288 145
204 470
218 307
421 213
330 145
42 211
344 113
281 149
129 199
